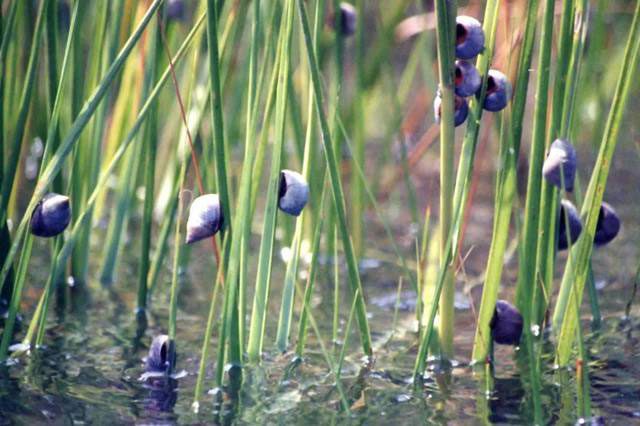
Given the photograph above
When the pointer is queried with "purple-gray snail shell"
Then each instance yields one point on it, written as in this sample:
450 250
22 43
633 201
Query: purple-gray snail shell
205 218
348 19
568 220
293 192
498 92
608 225
469 37
506 324
461 109
51 216
560 164
162 355
467 79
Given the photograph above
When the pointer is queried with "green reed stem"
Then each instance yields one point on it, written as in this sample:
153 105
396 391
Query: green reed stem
291 274
256 81
581 27
333 250
582 374
68 246
345 340
445 31
526 275
423 264
359 146
53 84
335 370
564 318
634 291
219 143
87 153
596 316
125 194
11 165
311 278
265 259
162 244
177 250
217 283
52 169
242 224
450 241
366 189
6 28
65 250
111 18
332 227
229 328
56 88
336 185
21 272
270 53
197 100
149 149
50 144
546 244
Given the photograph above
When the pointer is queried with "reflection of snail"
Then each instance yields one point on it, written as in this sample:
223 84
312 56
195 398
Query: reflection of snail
205 218
162 394
560 164
293 193
506 324
51 216
159 364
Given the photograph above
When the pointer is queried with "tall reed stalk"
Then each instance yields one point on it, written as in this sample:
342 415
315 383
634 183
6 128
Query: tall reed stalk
359 142
86 155
149 150
78 226
291 274
265 259
11 164
506 187
526 274
565 316
53 167
445 30
546 245
336 185
451 240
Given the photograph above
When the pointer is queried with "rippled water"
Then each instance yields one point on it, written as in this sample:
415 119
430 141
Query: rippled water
89 373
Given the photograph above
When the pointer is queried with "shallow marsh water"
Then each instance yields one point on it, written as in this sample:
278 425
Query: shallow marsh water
89 372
